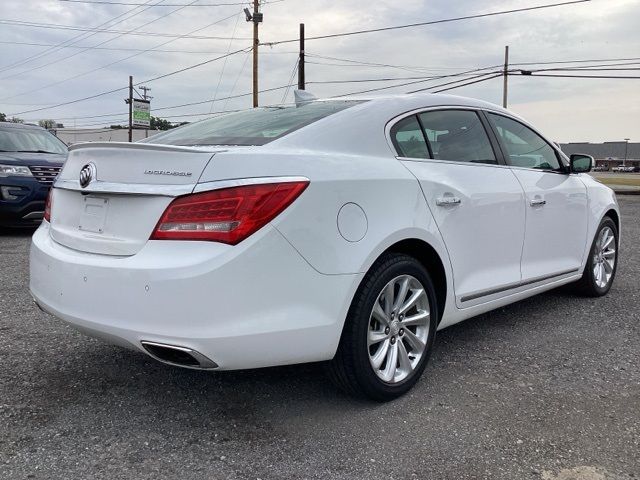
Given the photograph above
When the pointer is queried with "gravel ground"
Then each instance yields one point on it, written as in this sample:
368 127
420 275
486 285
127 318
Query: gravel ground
548 388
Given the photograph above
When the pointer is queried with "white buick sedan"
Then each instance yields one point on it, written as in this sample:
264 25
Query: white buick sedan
346 230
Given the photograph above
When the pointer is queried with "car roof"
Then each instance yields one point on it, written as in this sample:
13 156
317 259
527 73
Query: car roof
423 100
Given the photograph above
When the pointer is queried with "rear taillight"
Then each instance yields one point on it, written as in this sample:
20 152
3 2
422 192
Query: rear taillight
47 206
227 215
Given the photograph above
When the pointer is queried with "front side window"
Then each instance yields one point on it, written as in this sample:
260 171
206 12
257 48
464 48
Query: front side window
457 135
408 138
251 127
524 147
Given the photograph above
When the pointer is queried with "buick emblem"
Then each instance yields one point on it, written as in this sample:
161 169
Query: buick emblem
87 174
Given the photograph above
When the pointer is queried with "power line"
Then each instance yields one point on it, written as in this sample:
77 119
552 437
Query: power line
123 32
464 84
104 2
421 81
83 36
102 43
170 107
224 64
139 83
117 61
125 49
578 61
534 74
389 79
432 22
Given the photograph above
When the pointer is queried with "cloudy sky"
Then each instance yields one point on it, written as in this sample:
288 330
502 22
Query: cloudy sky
52 60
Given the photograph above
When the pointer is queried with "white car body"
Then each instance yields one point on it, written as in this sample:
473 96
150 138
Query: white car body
281 296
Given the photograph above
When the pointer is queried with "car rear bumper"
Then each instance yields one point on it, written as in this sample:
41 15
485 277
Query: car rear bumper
256 304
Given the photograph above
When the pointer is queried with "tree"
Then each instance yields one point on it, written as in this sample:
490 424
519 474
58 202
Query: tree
16 120
158 123
47 123
3 117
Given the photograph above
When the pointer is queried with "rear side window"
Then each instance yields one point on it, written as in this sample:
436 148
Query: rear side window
524 147
251 127
408 138
457 135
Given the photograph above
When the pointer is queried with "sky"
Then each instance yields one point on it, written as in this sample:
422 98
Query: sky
67 64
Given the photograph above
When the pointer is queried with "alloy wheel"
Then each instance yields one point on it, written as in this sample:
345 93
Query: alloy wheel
398 329
604 257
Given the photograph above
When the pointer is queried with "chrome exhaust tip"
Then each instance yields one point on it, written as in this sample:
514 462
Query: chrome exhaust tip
178 356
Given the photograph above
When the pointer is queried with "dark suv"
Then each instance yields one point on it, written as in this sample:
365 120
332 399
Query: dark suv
30 159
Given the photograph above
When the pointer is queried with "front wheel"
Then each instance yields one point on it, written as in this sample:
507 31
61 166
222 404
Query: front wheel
602 263
389 330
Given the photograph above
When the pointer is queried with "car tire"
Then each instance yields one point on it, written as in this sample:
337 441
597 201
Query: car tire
374 323
602 263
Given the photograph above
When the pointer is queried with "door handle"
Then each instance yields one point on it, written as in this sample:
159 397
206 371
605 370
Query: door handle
537 202
447 200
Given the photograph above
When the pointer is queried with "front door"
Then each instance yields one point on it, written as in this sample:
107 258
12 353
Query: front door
556 202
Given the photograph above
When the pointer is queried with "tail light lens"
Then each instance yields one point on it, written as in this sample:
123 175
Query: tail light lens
227 215
47 206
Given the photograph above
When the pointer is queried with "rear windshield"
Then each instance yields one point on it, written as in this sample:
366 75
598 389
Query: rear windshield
251 127
29 140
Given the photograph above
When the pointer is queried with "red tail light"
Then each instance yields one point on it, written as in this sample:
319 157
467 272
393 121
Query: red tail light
228 215
47 206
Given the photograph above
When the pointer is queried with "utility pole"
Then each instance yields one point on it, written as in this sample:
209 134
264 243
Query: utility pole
301 59
146 89
505 75
257 18
130 102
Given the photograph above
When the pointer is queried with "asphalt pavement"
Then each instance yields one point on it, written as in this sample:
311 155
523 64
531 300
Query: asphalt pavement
548 388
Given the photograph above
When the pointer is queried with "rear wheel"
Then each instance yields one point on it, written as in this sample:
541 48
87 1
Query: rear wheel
602 263
389 330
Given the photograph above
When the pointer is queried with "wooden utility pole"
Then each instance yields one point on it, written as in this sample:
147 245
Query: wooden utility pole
505 75
301 59
256 42
130 102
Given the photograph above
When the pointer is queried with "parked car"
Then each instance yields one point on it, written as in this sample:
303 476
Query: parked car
345 230
600 168
30 159
622 168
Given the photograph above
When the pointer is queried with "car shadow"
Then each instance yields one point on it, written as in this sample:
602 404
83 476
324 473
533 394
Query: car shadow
90 372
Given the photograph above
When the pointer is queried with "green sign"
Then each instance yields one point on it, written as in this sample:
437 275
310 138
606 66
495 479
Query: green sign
141 113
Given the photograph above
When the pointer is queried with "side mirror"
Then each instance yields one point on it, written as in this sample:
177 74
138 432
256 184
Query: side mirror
580 163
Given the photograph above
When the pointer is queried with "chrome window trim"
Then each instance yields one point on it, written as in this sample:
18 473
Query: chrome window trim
164 190
391 123
239 182
396 119
451 162
118 188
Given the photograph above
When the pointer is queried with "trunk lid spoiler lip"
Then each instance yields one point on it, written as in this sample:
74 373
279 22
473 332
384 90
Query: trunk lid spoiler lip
147 146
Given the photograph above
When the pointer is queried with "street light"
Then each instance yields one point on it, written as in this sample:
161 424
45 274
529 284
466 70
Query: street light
626 149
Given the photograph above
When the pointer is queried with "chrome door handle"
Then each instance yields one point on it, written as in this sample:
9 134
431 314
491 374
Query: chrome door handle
447 200
537 202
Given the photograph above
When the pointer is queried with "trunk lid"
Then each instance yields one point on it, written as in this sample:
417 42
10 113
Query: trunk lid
129 187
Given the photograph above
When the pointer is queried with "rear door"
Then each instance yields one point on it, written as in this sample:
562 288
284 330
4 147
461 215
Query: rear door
476 201
128 186
556 202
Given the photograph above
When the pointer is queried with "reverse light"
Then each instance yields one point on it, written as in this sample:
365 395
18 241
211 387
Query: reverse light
228 215
47 206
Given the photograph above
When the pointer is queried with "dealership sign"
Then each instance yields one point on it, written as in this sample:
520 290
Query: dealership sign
141 113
